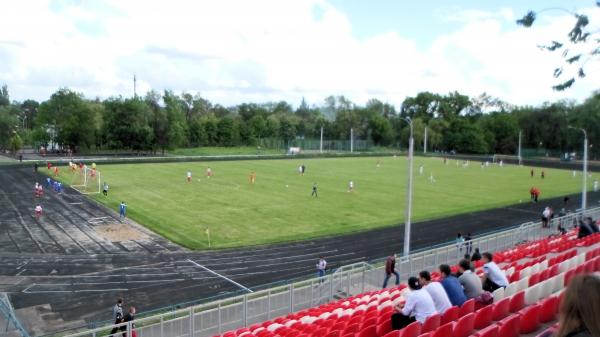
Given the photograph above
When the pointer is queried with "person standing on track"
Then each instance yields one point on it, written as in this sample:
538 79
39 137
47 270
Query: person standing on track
122 211
390 268
117 315
321 267
38 211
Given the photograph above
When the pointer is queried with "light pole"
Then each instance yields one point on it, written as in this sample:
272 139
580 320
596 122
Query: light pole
519 151
408 211
425 141
585 168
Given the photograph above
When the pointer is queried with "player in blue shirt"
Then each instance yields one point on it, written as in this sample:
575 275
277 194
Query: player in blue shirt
122 210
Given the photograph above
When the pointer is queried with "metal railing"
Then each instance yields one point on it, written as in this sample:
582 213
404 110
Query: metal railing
8 315
243 310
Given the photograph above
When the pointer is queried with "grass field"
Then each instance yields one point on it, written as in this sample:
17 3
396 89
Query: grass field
279 207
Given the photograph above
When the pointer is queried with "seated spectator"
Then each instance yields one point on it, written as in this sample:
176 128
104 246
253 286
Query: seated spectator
493 277
580 308
418 306
468 258
130 317
436 291
476 255
452 286
470 282
585 228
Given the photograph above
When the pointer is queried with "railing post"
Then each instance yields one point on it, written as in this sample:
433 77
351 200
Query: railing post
191 321
331 287
162 326
362 288
291 287
269 304
312 291
245 310
219 315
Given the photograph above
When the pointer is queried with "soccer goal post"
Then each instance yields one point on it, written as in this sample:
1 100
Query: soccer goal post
87 181
507 159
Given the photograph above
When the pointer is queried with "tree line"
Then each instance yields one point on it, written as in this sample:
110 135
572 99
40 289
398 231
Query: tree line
158 122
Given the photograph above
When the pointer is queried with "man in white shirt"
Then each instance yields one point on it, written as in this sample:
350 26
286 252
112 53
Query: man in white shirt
493 277
321 266
418 306
436 291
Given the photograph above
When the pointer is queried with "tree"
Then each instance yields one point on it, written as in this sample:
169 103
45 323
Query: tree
227 132
4 97
158 122
29 108
126 124
7 125
16 143
578 36
69 118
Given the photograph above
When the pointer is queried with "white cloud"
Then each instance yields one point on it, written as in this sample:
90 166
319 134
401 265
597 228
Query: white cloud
234 51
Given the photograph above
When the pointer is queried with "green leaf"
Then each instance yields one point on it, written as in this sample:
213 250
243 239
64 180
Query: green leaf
558 72
527 20
564 85
576 34
553 46
573 59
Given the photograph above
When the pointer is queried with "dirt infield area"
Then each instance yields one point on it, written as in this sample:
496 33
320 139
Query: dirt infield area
66 269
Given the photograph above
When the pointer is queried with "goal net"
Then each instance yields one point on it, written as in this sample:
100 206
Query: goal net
87 180
507 159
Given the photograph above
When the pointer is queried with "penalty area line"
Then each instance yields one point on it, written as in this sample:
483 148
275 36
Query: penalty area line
219 275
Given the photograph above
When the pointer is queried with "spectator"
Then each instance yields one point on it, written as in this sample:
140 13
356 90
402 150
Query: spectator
468 258
321 266
452 286
470 282
418 306
130 317
117 315
546 214
390 268
585 228
493 276
460 240
476 255
436 291
468 243
580 308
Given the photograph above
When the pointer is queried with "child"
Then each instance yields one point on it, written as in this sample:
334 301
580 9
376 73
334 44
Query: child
105 189
252 177
314 191
209 173
56 171
350 186
189 176
122 211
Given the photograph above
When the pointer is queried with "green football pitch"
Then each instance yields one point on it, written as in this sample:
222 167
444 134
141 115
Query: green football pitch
279 206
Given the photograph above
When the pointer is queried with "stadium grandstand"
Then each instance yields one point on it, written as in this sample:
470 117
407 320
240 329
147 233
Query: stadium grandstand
348 303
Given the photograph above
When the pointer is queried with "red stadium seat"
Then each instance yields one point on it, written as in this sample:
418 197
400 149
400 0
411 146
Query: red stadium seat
411 330
517 302
548 309
443 331
351 328
321 332
568 276
384 328
464 327
514 277
450 315
339 326
501 309
483 317
348 334
490 331
534 279
395 333
370 331
467 308
431 323
335 333
427 334
510 326
530 319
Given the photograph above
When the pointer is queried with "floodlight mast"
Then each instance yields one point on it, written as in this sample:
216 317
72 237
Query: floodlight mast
408 210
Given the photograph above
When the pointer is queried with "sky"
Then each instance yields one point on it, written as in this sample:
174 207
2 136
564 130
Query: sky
269 50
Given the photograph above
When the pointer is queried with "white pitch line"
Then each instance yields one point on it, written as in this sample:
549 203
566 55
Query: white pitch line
217 274
76 203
